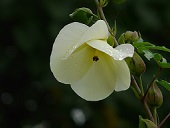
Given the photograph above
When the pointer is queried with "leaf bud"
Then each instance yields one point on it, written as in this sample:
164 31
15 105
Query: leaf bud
136 64
154 96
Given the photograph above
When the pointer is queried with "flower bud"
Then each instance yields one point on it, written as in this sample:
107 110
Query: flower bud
154 96
131 36
128 37
136 65
145 123
134 36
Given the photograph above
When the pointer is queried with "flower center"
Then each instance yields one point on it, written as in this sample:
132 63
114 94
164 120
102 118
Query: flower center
95 58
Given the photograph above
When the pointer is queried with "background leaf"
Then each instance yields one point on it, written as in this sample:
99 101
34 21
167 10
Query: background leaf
164 84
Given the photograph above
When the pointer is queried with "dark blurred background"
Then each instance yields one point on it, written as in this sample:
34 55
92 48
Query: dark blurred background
30 97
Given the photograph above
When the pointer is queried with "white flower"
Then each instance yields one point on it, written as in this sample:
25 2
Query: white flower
82 57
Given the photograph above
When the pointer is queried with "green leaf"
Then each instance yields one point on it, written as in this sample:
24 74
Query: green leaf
141 44
146 47
145 123
161 48
158 57
162 62
84 15
149 55
164 84
149 46
164 65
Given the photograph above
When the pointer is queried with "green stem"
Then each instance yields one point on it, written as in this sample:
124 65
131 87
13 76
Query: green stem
102 16
141 85
155 115
135 85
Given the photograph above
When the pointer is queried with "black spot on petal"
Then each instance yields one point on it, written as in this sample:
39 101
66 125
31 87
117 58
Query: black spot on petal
95 58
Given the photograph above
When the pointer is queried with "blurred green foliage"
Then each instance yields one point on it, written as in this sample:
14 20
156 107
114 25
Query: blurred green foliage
30 97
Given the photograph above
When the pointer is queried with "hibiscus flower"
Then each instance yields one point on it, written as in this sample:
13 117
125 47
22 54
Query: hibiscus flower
82 58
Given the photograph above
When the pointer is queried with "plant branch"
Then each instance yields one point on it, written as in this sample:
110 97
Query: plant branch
143 102
163 121
145 105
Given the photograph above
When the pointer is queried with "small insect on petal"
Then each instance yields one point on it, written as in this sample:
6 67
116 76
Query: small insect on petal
95 58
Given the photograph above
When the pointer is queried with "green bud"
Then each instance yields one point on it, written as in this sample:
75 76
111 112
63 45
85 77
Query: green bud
154 96
110 40
136 64
145 123
131 36
134 36
128 37
83 15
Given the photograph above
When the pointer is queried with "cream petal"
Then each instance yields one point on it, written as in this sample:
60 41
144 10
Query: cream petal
118 53
98 30
123 76
68 40
74 67
127 50
99 82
